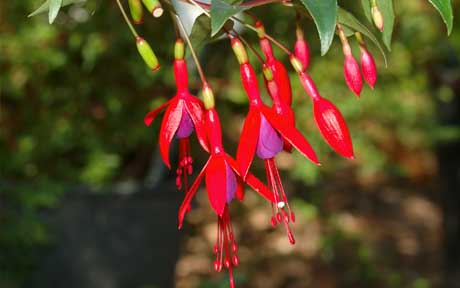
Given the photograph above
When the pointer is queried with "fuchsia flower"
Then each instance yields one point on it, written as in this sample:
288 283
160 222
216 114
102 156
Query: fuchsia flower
184 113
263 133
328 118
224 182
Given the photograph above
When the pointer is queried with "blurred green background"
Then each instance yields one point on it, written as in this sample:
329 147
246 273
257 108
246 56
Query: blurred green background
74 94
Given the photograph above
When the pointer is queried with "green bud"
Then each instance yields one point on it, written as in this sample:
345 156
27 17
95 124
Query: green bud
154 6
179 49
135 6
147 54
268 75
239 50
298 67
208 97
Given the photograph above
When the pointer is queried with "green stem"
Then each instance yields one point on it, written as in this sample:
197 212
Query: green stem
131 27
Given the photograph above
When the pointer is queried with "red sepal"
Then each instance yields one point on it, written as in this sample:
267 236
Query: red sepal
248 141
196 111
216 183
169 126
189 195
148 119
291 134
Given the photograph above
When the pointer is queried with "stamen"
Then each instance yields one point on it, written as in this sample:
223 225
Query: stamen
225 244
281 210
185 168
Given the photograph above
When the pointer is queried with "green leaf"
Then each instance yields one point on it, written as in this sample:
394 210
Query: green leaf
324 13
444 8
346 19
221 12
200 34
45 7
386 7
55 6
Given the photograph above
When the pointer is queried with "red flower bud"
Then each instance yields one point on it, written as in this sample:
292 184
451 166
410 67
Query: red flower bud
352 74
302 50
333 127
368 66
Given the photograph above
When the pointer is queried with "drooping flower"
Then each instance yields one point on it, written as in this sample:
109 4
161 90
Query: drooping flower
223 183
183 115
264 132
328 118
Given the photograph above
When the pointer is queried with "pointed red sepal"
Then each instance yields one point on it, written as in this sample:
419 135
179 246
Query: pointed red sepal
248 141
252 181
169 127
196 111
189 195
333 127
216 181
291 134
148 119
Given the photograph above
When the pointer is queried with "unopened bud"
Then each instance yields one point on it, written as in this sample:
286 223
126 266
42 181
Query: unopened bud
179 49
268 75
154 6
135 7
377 16
239 50
147 54
295 62
208 97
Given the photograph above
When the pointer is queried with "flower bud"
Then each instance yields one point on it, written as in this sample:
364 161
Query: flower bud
302 50
368 66
135 7
147 54
295 62
154 6
179 49
377 16
352 74
208 97
333 127
239 50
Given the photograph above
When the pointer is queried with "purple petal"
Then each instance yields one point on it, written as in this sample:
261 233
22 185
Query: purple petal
231 183
185 126
270 143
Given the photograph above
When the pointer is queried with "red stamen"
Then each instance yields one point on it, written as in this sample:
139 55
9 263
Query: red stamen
281 210
225 244
185 168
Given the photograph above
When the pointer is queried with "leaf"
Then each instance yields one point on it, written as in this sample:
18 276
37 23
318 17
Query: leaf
324 13
200 32
386 7
54 7
221 12
444 8
45 6
346 19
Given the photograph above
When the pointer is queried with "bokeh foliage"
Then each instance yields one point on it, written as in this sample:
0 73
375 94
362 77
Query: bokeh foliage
73 96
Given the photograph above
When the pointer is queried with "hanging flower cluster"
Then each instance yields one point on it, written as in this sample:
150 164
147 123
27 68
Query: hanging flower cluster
267 130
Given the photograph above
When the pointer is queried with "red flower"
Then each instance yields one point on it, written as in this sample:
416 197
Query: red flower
368 66
223 183
184 113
